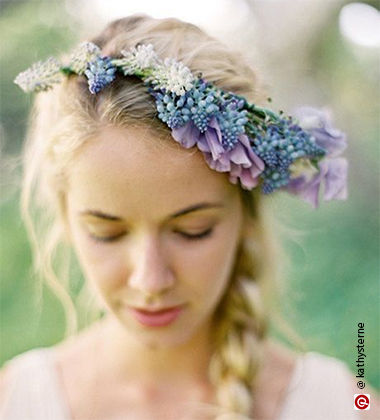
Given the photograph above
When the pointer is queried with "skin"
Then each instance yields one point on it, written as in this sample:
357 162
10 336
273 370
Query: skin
146 197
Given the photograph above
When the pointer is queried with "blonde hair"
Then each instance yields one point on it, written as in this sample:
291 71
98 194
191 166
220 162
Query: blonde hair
61 122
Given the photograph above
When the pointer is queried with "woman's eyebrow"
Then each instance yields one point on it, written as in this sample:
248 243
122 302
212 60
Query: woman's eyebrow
196 207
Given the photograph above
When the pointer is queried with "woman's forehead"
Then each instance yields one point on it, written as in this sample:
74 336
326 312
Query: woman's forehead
131 169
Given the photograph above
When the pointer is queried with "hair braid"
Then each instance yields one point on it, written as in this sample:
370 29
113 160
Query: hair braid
240 329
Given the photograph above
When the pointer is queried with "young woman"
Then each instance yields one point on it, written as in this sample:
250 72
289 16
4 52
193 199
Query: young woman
154 171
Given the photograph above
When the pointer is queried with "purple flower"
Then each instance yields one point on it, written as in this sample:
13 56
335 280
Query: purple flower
241 161
332 174
332 169
318 123
187 135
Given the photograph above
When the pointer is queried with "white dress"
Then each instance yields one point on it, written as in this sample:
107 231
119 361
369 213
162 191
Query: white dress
321 388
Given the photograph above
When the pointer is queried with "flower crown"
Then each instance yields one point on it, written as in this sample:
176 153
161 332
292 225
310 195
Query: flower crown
254 144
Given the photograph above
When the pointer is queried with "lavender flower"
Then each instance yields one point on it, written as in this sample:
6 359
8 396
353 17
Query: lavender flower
40 76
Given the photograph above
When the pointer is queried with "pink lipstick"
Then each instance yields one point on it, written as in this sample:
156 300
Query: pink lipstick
157 318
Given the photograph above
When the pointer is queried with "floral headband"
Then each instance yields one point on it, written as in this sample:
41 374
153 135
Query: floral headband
297 154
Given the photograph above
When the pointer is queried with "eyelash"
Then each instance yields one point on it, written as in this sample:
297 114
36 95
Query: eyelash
187 236
197 236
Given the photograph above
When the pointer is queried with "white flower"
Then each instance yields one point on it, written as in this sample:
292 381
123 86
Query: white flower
173 76
82 55
137 59
144 56
168 74
40 76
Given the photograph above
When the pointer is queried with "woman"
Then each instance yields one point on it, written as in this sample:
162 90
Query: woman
159 190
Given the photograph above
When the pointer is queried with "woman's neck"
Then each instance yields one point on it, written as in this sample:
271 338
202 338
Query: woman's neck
153 366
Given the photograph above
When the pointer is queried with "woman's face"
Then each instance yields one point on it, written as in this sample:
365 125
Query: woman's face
153 228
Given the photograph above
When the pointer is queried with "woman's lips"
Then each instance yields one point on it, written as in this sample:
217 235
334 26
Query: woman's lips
157 318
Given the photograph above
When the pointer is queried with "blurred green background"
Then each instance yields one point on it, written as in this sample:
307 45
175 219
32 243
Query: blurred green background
333 281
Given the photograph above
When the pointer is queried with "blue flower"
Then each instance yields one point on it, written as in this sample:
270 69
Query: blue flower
200 104
279 145
100 73
232 119
196 105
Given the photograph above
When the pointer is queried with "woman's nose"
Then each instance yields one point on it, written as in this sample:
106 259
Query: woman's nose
150 273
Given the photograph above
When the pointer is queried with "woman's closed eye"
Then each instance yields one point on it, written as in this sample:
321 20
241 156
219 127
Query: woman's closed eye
101 238
187 235
194 236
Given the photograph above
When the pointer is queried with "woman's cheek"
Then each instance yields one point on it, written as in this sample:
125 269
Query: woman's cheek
212 262
102 264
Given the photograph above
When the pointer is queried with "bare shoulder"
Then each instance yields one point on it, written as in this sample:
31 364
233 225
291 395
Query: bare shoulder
278 362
